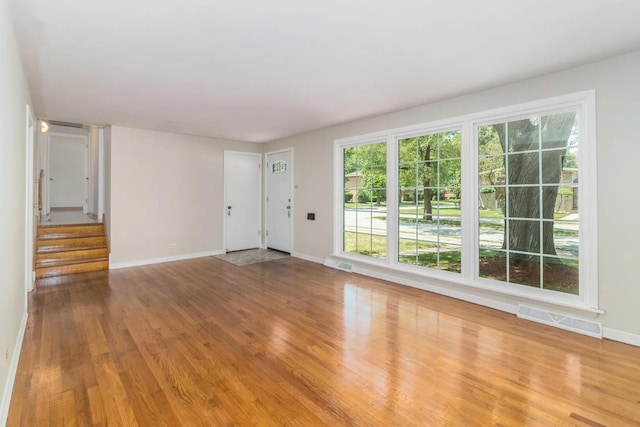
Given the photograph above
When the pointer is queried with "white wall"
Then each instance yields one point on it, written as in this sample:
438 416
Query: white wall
618 149
107 179
93 169
14 97
166 189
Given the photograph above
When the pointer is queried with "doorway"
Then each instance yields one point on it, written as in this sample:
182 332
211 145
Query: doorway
279 178
242 194
68 172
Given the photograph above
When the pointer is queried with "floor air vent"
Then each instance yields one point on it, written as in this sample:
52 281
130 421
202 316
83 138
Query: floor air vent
562 321
340 265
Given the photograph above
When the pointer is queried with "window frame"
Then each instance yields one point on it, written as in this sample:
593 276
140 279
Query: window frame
581 102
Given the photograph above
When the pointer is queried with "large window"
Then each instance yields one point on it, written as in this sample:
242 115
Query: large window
365 199
528 192
429 209
503 200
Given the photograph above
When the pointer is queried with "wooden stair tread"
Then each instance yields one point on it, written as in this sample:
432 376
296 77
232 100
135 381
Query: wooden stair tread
59 262
48 250
82 267
70 248
53 236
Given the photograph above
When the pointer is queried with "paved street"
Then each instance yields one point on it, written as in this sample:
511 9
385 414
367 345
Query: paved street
374 222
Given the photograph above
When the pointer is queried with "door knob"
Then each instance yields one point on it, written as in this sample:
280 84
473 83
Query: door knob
288 207
228 207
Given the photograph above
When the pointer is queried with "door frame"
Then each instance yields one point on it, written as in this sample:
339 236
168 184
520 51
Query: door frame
258 157
47 152
30 202
266 194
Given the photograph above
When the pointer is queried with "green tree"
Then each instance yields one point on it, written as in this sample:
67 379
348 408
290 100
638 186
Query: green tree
430 162
370 161
520 141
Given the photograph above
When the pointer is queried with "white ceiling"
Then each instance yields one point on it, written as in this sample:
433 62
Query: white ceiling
258 70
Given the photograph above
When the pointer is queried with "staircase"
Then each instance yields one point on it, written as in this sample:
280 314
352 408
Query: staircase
68 249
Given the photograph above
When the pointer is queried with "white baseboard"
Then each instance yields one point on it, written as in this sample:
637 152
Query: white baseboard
622 336
180 257
441 290
307 257
13 370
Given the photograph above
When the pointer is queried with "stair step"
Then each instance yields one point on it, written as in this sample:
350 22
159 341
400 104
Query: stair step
72 243
66 231
71 255
61 262
78 267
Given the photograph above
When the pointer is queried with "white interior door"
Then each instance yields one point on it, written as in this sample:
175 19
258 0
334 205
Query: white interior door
279 173
67 171
242 189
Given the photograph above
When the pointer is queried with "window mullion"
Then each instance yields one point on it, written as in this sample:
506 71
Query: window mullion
392 200
468 189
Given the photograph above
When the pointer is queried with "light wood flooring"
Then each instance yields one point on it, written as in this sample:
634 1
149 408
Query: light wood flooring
292 343
68 216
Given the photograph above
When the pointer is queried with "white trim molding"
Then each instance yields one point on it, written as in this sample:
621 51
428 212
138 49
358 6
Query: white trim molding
13 370
621 336
180 257
309 258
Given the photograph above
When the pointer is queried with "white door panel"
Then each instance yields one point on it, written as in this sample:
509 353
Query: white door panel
279 201
242 200
67 171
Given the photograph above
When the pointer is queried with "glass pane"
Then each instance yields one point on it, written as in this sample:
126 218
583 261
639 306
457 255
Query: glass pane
490 139
450 258
449 203
524 235
376 177
523 135
493 265
524 269
428 147
428 174
449 173
450 230
491 170
408 199
408 251
524 202
523 169
363 244
450 145
407 151
408 175
362 156
363 197
561 275
491 233
349 242
566 237
571 159
379 154
442 257
559 130
552 172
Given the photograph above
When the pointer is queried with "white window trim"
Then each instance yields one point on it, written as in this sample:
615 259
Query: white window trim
583 103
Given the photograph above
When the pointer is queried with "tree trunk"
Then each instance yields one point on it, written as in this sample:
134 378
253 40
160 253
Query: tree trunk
428 207
426 182
524 234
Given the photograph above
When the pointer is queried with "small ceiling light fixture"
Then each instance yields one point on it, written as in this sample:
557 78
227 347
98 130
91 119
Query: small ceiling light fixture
45 127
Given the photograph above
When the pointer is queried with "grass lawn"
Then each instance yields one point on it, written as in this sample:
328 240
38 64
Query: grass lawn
366 244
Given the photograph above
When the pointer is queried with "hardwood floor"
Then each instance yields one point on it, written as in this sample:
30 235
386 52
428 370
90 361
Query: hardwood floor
288 342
